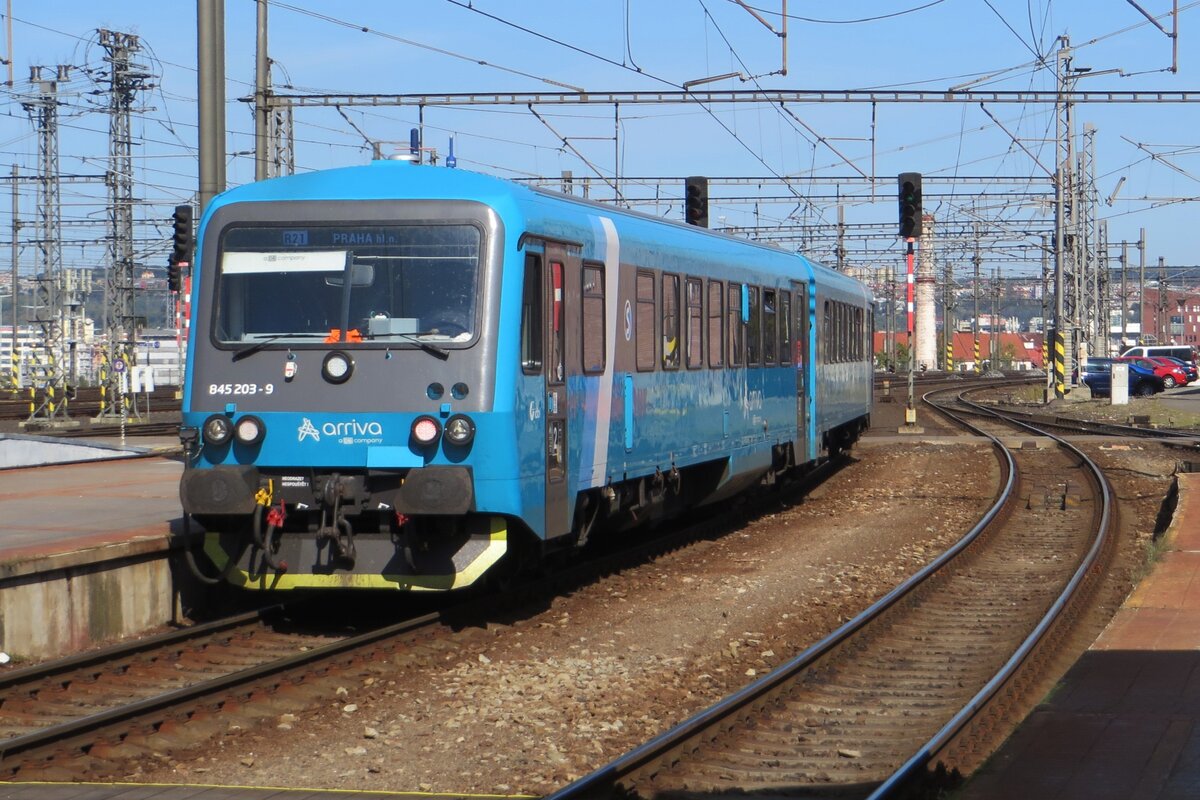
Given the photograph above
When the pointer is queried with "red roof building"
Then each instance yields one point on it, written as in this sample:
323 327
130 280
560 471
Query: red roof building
1017 350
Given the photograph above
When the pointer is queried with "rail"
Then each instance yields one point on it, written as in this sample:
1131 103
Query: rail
602 781
922 758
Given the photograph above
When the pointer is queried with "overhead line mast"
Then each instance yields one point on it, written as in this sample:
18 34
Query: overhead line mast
125 79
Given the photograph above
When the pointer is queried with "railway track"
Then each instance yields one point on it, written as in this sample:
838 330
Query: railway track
60 717
84 405
107 704
85 716
1078 426
156 428
923 676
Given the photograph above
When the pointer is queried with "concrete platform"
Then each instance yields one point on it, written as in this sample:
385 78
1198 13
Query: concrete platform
83 553
1125 722
20 450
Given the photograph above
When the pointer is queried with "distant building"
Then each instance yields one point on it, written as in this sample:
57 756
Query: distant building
1017 350
1172 316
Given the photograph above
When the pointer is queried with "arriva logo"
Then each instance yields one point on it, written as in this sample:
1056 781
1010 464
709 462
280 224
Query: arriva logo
349 432
352 428
307 431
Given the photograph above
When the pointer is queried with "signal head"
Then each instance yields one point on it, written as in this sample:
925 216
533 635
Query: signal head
695 201
181 222
909 184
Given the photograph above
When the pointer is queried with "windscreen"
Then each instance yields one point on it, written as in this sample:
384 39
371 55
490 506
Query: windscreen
348 283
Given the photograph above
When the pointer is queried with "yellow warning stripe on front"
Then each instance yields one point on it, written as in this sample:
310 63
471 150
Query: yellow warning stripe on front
496 547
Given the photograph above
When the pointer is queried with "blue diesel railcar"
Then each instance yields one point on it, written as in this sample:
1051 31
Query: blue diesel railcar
398 375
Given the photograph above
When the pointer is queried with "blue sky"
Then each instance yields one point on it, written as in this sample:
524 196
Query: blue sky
649 45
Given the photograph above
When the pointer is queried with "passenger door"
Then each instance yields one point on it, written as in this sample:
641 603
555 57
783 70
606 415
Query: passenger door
558 265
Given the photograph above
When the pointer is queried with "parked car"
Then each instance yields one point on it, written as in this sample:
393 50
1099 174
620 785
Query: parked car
1096 374
1189 369
1182 352
1171 374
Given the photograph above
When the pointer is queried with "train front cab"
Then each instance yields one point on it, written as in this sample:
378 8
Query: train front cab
340 491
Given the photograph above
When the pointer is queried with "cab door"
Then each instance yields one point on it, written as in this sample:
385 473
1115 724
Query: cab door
551 360
554 326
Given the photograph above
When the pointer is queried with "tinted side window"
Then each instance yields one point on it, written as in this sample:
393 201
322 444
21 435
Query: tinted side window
670 321
754 329
770 326
695 323
645 321
785 327
716 324
826 343
558 330
593 319
531 317
735 324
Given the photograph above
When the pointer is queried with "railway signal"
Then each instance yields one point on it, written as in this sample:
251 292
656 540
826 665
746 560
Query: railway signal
181 255
181 221
174 274
695 201
910 204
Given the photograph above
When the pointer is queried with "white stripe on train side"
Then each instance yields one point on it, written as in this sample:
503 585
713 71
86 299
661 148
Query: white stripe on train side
612 273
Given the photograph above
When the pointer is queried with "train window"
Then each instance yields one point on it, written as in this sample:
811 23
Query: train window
531 317
848 332
716 324
670 321
785 327
826 343
858 334
851 334
645 321
593 319
836 341
855 334
695 323
386 283
736 330
558 330
754 329
770 326
842 331
835 332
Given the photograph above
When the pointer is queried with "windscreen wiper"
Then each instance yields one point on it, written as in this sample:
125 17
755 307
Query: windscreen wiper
246 352
428 347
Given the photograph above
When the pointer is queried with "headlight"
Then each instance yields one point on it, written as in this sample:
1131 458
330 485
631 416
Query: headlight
249 430
460 430
217 430
426 430
337 367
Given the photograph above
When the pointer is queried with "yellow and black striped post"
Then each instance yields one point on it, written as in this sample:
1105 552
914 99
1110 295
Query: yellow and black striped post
977 364
1060 364
33 369
950 356
103 384
50 399
15 366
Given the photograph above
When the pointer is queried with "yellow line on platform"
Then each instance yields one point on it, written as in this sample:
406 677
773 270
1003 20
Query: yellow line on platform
384 792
